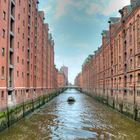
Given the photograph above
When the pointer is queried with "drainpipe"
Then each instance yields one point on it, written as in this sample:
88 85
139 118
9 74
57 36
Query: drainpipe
7 62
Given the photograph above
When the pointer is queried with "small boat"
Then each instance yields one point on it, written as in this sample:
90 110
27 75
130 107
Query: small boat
71 99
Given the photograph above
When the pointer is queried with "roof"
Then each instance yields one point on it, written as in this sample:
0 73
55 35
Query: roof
106 34
114 20
135 3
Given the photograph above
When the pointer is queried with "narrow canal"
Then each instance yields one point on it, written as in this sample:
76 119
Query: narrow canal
84 119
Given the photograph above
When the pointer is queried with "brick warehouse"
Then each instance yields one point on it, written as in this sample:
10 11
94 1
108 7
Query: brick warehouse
112 73
27 67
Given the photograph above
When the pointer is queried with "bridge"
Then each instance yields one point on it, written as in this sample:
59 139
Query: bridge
73 87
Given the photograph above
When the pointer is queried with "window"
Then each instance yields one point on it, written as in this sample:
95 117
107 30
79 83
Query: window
120 59
119 80
23 48
17 59
130 52
15 92
2 73
131 78
139 61
3 52
18 45
131 64
130 28
4 15
17 73
18 30
130 41
23 23
2 94
115 81
23 61
3 33
18 16
139 78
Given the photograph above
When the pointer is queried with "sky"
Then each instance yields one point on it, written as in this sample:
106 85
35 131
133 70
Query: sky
76 27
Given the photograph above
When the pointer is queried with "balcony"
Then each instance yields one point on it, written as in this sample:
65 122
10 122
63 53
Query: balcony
11 66
10 86
11 33
29 1
28 72
12 17
29 25
13 2
12 27
10 83
35 25
28 60
12 9
11 50
29 7
28 36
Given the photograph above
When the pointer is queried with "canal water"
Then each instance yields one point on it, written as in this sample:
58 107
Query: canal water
84 119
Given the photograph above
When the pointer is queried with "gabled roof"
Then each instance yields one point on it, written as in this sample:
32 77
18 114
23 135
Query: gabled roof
106 34
114 20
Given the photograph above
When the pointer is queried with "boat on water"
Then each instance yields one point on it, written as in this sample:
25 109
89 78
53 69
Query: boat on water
71 99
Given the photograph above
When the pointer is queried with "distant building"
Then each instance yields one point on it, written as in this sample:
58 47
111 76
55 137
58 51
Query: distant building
64 69
60 79
78 80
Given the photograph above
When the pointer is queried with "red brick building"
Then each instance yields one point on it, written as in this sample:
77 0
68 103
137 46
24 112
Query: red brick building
55 84
112 73
4 33
27 52
78 80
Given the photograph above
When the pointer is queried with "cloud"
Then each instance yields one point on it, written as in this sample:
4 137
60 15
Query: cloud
64 6
114 6
94 9
101 7
61 7
90 7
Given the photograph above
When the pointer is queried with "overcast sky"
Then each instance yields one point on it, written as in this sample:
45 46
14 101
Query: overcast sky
76 26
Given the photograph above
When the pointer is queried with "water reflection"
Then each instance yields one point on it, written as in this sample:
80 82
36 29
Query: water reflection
84 119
